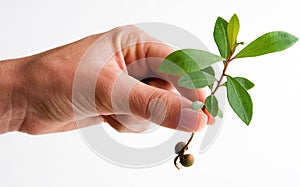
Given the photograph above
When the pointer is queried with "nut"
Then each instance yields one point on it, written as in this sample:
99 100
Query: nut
179 146
187 160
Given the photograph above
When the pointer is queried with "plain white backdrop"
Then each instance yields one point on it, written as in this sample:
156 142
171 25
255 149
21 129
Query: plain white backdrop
267 153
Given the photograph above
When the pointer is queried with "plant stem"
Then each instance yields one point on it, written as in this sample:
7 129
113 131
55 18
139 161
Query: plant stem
226 63
189 141
221 78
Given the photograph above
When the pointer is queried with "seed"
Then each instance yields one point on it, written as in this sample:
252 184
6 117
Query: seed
187 160
179 146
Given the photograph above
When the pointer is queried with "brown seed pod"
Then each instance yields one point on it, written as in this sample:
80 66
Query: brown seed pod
179 146
187 160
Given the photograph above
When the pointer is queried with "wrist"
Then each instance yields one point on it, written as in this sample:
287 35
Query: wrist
12 103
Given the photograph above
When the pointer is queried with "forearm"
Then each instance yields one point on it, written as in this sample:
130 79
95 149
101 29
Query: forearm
12 111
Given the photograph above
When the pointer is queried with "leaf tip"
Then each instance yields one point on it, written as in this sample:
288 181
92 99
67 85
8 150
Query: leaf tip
247 122
235 17
295 39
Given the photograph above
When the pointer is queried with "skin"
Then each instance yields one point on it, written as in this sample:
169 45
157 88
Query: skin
36 91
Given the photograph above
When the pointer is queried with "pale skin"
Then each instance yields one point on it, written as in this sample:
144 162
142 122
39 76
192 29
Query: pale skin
36 91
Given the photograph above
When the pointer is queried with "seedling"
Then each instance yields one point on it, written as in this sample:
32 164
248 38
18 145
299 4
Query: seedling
185 160
196 71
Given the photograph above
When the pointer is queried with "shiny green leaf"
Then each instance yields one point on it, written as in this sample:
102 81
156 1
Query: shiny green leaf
268 43
244 82
220 36
187 61
220 113
233 28
239 100
210 70
197 79
211 104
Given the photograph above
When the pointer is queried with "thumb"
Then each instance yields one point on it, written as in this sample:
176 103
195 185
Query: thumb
164 108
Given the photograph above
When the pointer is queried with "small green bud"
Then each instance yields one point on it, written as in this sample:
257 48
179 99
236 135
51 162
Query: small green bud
187 160
197 105
179 146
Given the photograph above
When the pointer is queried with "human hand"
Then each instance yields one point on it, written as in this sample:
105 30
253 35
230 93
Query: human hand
38 95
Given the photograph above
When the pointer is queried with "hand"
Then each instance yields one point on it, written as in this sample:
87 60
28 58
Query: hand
38 95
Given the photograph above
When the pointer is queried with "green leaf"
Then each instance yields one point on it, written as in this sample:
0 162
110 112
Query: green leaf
210 70
187 61
211 104
197 79
220 36
233 28
197 105
220 113
268 43
211 86
239 100
244 82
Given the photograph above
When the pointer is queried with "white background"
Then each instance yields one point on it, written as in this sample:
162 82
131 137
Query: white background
267 153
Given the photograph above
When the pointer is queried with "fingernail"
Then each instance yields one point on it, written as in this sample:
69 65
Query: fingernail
191 120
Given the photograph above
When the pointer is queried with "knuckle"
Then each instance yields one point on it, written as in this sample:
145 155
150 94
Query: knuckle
127 28
162 107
